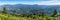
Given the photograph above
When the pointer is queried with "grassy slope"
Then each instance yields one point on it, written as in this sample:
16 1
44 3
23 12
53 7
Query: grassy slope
10 17
58 17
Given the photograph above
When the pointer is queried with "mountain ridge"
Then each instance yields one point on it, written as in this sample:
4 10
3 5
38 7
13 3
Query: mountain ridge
23 7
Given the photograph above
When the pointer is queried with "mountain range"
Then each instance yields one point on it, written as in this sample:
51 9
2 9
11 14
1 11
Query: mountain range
23 7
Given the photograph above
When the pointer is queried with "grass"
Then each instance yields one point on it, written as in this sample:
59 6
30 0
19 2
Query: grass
58 17
10 17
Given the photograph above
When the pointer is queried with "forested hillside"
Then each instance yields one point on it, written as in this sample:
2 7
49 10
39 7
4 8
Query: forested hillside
34 12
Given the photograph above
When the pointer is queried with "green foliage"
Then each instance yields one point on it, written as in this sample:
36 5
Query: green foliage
4 10
54 13
43 14
27 16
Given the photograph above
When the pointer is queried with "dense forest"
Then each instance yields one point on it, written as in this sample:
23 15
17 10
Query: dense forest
29 12
39 14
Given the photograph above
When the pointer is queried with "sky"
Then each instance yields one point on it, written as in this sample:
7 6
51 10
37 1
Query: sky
39 2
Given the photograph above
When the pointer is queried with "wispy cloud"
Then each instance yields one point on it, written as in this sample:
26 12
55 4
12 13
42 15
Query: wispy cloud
51 2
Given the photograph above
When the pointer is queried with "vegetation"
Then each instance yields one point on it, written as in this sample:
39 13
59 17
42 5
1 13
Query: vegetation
4 10
34 16
55 13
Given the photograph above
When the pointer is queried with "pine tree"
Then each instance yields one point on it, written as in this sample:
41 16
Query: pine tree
43 14
54 13
4 10
16 13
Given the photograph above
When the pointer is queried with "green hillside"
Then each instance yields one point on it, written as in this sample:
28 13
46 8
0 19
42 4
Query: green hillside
4 15
10 17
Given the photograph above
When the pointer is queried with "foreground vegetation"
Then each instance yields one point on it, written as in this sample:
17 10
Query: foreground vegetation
10 17
6 16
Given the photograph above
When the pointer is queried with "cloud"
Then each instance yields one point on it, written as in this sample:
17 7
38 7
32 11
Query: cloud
52 2
49 3
12 3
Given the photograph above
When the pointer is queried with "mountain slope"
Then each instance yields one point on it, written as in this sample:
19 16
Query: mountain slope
21 7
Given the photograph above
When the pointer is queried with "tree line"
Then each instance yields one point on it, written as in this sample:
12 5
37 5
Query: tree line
33 15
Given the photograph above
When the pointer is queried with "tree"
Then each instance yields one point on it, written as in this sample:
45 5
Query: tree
43 14
4 10
34 12
16 13
54 13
